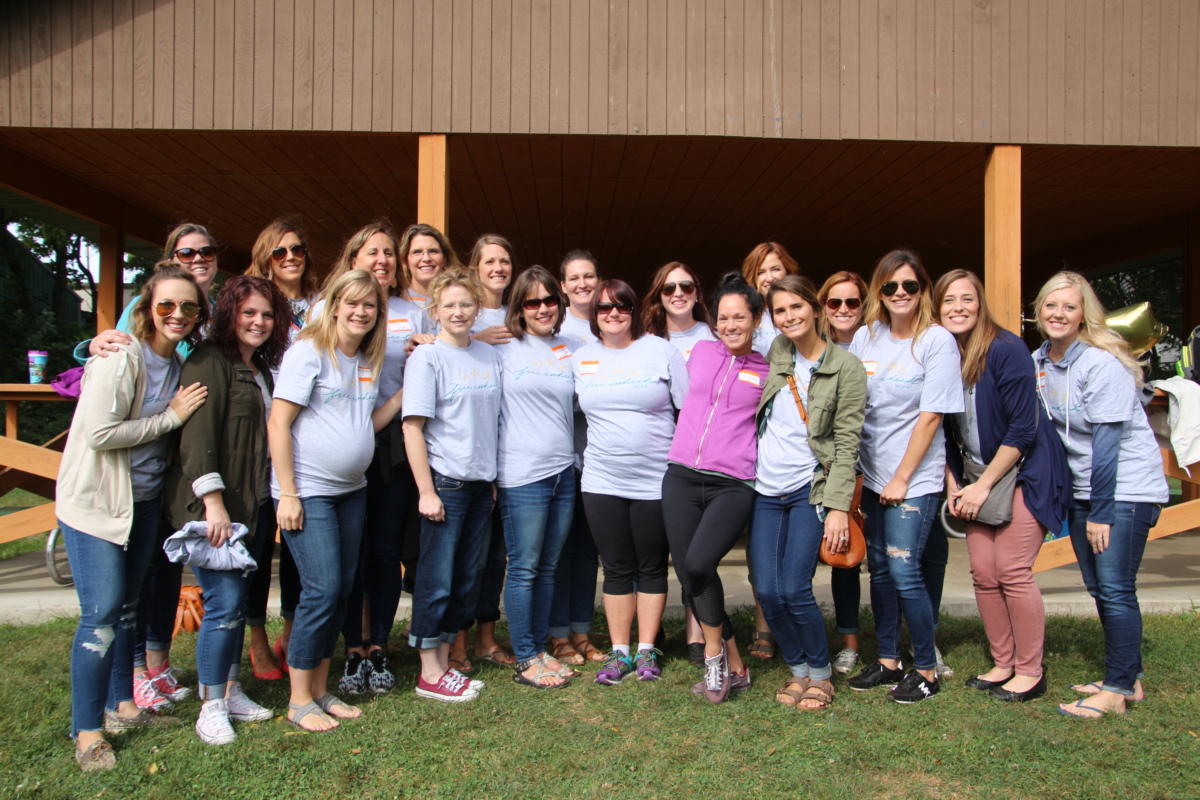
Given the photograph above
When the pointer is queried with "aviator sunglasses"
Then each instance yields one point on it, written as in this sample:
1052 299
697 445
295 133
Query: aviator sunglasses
687 287
534 303
852 303
911 287
165 308
280 253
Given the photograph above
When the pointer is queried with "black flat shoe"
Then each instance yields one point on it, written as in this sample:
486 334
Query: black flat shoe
1009 696
976 682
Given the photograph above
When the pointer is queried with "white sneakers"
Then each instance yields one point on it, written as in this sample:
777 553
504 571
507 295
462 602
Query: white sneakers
213 727
243 709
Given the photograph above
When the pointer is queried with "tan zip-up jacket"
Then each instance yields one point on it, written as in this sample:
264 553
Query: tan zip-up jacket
95 488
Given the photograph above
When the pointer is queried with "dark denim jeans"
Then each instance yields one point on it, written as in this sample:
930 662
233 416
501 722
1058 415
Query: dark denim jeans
896 538
453 552
491 582
537 517
574 602
326 555
108 581
158 602
785 538
379 565
847 597
1111 579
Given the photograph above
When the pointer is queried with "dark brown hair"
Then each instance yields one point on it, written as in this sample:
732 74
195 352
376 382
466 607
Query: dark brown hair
654 313
514 320
621 292
229 305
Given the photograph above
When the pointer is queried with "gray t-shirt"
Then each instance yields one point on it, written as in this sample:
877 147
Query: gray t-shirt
764 334
261 380
457 390
487 317
686 340
629 396
332 436
968 426
536 409
904 378
576 331
403 318
148 461
785 462
1093 388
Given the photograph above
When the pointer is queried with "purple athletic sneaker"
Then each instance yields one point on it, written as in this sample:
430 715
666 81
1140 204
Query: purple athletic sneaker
647 665
617 667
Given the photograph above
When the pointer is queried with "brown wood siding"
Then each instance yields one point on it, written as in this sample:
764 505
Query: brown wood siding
1123 72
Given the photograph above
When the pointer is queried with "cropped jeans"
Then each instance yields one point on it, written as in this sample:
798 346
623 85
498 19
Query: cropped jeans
537 517
326 555
896 538
453 552
108 580
785 540
1111 578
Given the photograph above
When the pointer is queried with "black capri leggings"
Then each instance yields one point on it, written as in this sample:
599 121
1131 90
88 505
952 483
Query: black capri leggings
630 537
705 515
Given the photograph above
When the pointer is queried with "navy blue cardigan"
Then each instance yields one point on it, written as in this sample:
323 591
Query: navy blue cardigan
1007 405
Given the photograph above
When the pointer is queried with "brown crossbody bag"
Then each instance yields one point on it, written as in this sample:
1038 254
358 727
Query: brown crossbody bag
857 551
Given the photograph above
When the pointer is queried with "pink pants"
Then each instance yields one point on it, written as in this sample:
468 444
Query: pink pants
1010 602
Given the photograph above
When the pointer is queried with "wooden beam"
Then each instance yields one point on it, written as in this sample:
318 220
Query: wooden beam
29 522
433 185
112 277
1002 235
44 183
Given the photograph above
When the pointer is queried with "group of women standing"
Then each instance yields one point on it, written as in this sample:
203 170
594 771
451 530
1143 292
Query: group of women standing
464 424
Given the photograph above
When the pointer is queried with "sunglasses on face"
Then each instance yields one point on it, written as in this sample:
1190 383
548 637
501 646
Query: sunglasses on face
687 287
534 303
607 308
206 253
910 287
280 253
852 303
165 308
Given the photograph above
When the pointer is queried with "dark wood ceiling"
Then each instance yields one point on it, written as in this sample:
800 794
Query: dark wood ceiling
636 202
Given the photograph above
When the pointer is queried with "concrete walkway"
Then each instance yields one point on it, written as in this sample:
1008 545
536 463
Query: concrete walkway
1169 582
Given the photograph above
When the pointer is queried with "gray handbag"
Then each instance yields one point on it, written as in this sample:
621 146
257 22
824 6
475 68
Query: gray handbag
998 509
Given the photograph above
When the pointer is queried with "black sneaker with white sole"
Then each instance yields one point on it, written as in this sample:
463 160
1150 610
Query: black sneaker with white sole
875 674
914 688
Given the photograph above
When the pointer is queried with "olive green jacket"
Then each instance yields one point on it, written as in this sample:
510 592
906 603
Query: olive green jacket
227 435
837 398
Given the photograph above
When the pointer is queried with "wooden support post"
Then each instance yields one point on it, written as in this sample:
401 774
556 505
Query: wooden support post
1002 235
433 186
112 278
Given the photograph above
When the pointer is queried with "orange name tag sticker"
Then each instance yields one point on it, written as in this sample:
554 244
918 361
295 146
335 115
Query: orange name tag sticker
687 354
749 377
870 366
589 367
399 326
364 375
562 352
1041 381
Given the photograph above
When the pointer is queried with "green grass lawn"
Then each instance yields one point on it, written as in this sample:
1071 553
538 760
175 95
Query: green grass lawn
643 740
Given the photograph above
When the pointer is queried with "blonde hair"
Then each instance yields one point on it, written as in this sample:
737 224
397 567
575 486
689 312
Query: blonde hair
141 321
874 309
453 277
345 260
357 284
979 340
845 276
1093 329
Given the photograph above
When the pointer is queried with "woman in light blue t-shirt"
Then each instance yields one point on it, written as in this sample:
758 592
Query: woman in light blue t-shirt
1089 384
913 379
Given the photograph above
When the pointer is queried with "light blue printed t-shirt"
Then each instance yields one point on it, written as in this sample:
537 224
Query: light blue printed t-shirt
576 331
785 462
537 408
487 317
764 334
686 340
629 396
1090 386
457 390
904 378
332 436
148 461
403 318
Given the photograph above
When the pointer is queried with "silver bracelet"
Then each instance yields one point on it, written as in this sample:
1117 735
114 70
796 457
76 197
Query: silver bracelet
289 494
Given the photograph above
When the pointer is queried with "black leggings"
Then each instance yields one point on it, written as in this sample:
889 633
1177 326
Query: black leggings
630 537
705 515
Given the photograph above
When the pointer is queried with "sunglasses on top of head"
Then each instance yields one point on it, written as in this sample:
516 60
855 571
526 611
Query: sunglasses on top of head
206 253
607 308
852 303
280 253
534 303
891 287
687 287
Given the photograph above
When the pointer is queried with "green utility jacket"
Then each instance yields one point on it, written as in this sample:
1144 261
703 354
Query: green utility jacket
226 435
837 398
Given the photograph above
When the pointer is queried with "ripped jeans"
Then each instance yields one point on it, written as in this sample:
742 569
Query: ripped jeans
896 538
108 580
